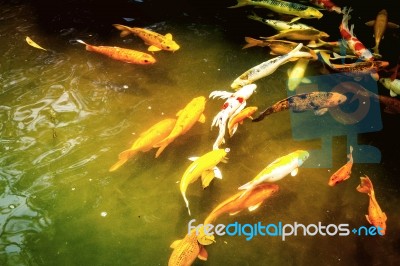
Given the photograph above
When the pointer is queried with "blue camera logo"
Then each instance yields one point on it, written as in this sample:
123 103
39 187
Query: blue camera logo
359 114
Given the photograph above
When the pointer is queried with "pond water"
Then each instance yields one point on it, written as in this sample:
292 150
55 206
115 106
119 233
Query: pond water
67 113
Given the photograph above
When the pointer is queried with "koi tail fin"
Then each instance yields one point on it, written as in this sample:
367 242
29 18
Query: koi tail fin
365 186
240 3
251 42
88 46
123 158
247 186
162 145
124 30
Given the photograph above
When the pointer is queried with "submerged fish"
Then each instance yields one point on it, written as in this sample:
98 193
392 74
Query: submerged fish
266 68
186 250
344 172
380 24
283 7
327 4
296 74
121 54
187 117
146 141
233 105
278 169
156 41
352 41
299 35
249 199
204 166
238 118
392 85
279 47
392 105
317 101
280 25
33 44
375 216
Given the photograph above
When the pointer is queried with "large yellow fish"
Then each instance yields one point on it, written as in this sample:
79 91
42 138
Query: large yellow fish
204 166
186 251
146 141
187 117
156 41
249 199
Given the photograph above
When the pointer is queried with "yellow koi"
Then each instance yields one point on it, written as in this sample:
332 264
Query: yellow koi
33 44
156 41
187 117
146 141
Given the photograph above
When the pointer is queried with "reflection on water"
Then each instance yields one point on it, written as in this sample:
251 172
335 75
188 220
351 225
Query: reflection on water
66 114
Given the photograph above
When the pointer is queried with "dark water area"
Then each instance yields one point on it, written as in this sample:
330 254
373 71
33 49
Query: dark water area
67 113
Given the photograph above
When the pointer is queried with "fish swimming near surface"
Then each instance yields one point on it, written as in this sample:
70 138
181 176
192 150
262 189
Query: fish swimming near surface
279 47
266 68
237 119
187 117
156 41
235 102
352 41
34 44
250 200
327 4
299 35
280 25
186 250
317 101
296 74
344 172
297 10
204 166
375 215
278 169
146 141
392 85
380 24
121 54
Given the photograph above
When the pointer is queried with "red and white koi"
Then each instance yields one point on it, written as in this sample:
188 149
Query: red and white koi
326 4
352 41
235 102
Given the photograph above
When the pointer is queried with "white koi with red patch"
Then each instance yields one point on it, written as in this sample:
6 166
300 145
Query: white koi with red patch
233 105
326 4
352 41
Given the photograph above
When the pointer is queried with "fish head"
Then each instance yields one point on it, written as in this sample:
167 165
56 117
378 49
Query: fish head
246 91
381 64
171 46
262 191
198 103
323 34
384 81
366 55
314 13
147 59
336 99
383 12
302 156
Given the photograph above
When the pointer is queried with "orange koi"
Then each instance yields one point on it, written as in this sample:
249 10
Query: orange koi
375 215
250 199
121 54
234 121
344 172
187 250
146 141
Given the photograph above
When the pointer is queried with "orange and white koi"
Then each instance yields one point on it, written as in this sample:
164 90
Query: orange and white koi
380 24
352 41
187 117
146 141
375 215
344 172
237 119
121 54
233 105
327 4
251 200
156 41
186 250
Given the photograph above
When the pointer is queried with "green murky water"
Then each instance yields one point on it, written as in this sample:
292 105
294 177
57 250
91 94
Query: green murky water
66 114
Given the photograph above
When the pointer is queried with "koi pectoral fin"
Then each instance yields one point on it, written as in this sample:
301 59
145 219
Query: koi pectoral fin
254 207
294 172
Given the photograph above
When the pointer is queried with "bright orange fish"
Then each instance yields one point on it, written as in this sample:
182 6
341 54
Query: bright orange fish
238 119
187 250
375 215
146 140
121 54
344 172
250 199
